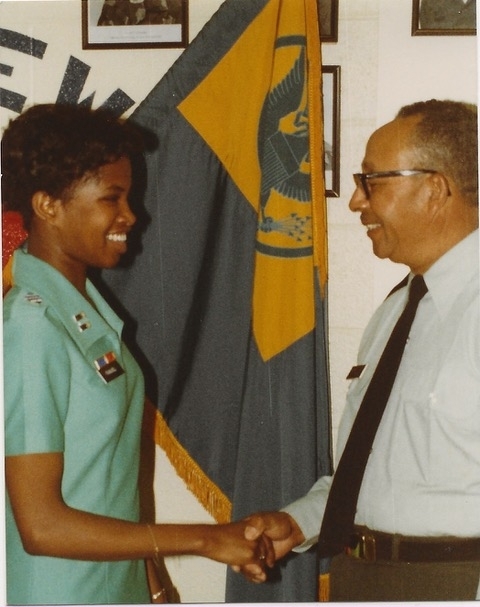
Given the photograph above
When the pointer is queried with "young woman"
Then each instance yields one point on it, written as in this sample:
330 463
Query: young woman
73 393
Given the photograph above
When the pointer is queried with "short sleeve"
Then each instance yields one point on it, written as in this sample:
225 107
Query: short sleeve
37 379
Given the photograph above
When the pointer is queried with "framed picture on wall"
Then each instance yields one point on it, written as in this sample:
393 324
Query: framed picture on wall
444 18
331 128
116 24
328 18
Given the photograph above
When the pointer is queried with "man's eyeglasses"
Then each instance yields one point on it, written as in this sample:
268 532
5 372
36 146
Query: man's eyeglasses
361 179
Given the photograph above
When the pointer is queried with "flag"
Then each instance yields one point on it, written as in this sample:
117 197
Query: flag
228 287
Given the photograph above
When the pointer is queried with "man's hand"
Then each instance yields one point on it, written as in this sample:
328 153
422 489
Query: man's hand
230 543
280 528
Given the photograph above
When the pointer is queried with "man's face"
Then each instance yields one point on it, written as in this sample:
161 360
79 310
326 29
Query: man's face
396 211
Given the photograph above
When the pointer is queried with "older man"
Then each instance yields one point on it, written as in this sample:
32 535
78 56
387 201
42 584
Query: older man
411 529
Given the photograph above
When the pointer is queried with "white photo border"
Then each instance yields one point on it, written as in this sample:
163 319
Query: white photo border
130 36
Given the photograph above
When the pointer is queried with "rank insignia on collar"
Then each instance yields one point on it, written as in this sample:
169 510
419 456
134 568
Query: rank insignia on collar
108 367
82 321
33 298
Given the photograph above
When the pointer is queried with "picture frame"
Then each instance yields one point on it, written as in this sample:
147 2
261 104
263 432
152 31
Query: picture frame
444 18
134 24
331 128
328 19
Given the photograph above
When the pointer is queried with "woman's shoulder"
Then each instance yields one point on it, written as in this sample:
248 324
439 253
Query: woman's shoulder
27 312
21 302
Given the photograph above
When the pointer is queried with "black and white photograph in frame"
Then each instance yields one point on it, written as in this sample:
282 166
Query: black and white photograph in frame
444 18
116 24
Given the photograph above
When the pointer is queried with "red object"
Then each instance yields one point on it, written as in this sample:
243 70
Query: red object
13 234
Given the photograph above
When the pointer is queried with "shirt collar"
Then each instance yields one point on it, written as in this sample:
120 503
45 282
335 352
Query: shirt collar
74 310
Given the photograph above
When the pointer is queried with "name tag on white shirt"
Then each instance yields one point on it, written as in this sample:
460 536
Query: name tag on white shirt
356 372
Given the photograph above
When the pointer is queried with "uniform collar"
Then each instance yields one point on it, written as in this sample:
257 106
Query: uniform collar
84 322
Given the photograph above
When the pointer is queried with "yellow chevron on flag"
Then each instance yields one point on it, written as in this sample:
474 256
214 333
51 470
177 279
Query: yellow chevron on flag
259 110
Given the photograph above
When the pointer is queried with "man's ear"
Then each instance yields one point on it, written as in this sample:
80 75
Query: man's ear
44 206
439 194
440 187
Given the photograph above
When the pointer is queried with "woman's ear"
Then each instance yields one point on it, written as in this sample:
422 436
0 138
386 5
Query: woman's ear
44 206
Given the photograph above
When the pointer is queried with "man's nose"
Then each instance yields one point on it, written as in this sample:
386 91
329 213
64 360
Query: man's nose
358 201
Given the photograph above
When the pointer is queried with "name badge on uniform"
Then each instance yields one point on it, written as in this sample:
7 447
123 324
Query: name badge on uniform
108 367
356 372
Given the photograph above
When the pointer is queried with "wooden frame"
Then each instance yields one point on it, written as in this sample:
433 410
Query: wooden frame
129 24
331 128
442 18
328 18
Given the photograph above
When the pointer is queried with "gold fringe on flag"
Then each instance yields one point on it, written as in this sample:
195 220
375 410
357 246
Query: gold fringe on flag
205 490
324 588
315 118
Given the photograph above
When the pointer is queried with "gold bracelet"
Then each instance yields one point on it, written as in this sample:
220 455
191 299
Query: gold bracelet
157 550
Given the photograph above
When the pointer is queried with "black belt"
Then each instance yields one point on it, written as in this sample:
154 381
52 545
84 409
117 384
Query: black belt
375 546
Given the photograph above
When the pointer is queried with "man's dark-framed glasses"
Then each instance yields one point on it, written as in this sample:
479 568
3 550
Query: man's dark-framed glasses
361 179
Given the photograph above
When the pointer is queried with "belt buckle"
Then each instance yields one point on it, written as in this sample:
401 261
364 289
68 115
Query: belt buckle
362 546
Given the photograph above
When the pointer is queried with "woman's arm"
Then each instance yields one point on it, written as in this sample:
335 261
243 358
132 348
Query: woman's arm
48 526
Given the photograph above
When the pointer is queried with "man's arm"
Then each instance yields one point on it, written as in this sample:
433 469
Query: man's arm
295 527
280 527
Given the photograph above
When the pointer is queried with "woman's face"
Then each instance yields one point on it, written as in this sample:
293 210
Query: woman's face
93 224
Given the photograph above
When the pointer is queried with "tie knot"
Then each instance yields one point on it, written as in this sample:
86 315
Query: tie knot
418 288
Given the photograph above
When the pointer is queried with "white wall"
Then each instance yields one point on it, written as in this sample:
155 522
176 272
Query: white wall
382 68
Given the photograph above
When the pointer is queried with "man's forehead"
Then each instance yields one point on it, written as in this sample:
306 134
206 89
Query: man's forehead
391 143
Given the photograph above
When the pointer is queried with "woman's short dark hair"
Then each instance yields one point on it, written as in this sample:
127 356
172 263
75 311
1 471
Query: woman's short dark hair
446 139
50 147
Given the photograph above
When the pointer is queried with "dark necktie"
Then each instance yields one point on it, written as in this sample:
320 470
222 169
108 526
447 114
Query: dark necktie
339 516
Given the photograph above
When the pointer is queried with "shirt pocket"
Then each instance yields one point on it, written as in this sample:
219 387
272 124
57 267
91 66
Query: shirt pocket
456 394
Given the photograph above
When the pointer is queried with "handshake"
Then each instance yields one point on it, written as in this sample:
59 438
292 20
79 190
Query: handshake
254 543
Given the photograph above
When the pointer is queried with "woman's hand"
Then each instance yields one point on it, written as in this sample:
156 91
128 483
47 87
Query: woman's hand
279 529
229 544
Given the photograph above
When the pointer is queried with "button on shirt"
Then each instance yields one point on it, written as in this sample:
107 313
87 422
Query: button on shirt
56 401
423 475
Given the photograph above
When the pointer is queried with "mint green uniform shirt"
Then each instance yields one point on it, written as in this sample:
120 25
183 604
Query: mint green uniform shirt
57 401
